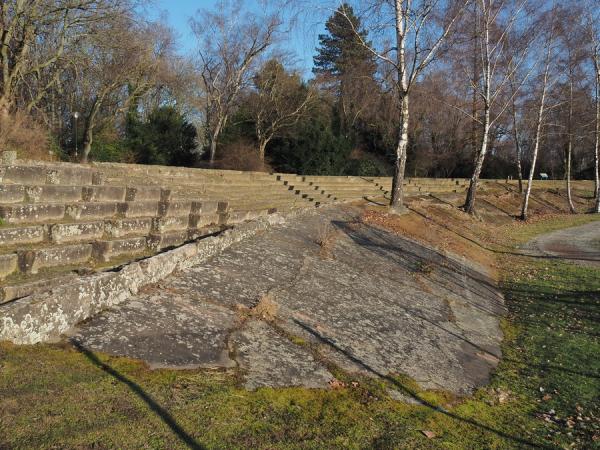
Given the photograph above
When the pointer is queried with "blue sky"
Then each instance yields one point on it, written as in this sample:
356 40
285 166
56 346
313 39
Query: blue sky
302 41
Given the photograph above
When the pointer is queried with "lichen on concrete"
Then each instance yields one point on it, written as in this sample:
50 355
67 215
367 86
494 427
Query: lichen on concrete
378 305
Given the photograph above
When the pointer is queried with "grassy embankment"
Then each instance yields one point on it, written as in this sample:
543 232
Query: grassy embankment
545 392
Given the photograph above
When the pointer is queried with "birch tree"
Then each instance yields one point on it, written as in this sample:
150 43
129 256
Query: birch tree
593 25
418 39
230 43
545 83
516 134
499 63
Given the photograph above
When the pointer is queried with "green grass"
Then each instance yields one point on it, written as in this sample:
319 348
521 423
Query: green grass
55 396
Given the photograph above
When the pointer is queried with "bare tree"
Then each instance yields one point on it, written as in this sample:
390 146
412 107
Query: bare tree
496 20
545 85
35 35
120 64
419 37
516 132
230 42
593 26
280 100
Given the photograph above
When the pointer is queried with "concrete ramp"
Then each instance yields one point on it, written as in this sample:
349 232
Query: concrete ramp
285 305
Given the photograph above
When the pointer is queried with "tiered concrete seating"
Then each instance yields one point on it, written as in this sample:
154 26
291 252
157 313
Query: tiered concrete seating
58 218
423 186
306 190
248 193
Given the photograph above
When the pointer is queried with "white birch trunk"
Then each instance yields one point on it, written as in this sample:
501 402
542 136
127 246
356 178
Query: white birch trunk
538 135
487 99
518 150
396 204
471 193
213 141
569 152
597 132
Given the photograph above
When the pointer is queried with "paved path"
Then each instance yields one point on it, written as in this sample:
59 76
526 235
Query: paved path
580 244
281 308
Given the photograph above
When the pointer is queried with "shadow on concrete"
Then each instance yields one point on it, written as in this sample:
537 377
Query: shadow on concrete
378 243
414 395
162 413
411 256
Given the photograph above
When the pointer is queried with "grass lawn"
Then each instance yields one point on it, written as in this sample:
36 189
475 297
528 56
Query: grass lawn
545 392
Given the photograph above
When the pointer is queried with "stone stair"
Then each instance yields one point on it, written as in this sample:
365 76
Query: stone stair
56 219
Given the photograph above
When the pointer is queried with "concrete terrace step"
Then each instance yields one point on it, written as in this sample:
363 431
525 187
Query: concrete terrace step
19 193
32 237
33 260
50 174
43 213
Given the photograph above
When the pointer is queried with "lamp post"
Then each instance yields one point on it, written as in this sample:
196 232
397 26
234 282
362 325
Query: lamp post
75 117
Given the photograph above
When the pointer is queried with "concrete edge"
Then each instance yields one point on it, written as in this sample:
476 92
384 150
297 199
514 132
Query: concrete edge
45 316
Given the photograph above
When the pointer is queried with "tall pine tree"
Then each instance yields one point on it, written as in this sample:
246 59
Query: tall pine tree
346 67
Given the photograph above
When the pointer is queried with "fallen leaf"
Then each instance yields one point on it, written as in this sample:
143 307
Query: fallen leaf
334 383
428 434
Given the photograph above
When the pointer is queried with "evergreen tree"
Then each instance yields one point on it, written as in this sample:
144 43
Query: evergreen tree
346 67
341 52
165 138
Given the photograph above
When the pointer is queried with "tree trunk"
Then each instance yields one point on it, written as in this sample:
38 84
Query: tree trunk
88 139
213 141
470 201
487 100
396 204
538 134
568 155
519 151
568 176
5 106
88 132
536 146
597 143
262 147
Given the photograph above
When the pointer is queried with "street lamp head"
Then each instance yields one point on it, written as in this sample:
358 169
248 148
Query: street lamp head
76 115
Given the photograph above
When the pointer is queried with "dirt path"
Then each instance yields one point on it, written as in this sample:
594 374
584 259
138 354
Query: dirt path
324 290
580 244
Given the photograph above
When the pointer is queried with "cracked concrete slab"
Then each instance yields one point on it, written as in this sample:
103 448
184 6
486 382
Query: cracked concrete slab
180 333
270 359
365 299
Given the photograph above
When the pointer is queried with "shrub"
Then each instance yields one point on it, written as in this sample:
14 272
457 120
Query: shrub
240 155
21 133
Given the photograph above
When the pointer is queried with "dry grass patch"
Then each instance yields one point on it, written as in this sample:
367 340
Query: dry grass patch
327 236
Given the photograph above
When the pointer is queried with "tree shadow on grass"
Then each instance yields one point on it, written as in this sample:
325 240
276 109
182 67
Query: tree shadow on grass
162 413
415 395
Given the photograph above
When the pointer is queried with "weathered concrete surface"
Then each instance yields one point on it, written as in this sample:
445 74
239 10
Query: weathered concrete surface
367 300
580 244
177 334
45 316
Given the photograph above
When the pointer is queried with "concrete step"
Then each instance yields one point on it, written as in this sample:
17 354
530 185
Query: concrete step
45 213
49 256
54 174
71 232
22 289
28 194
